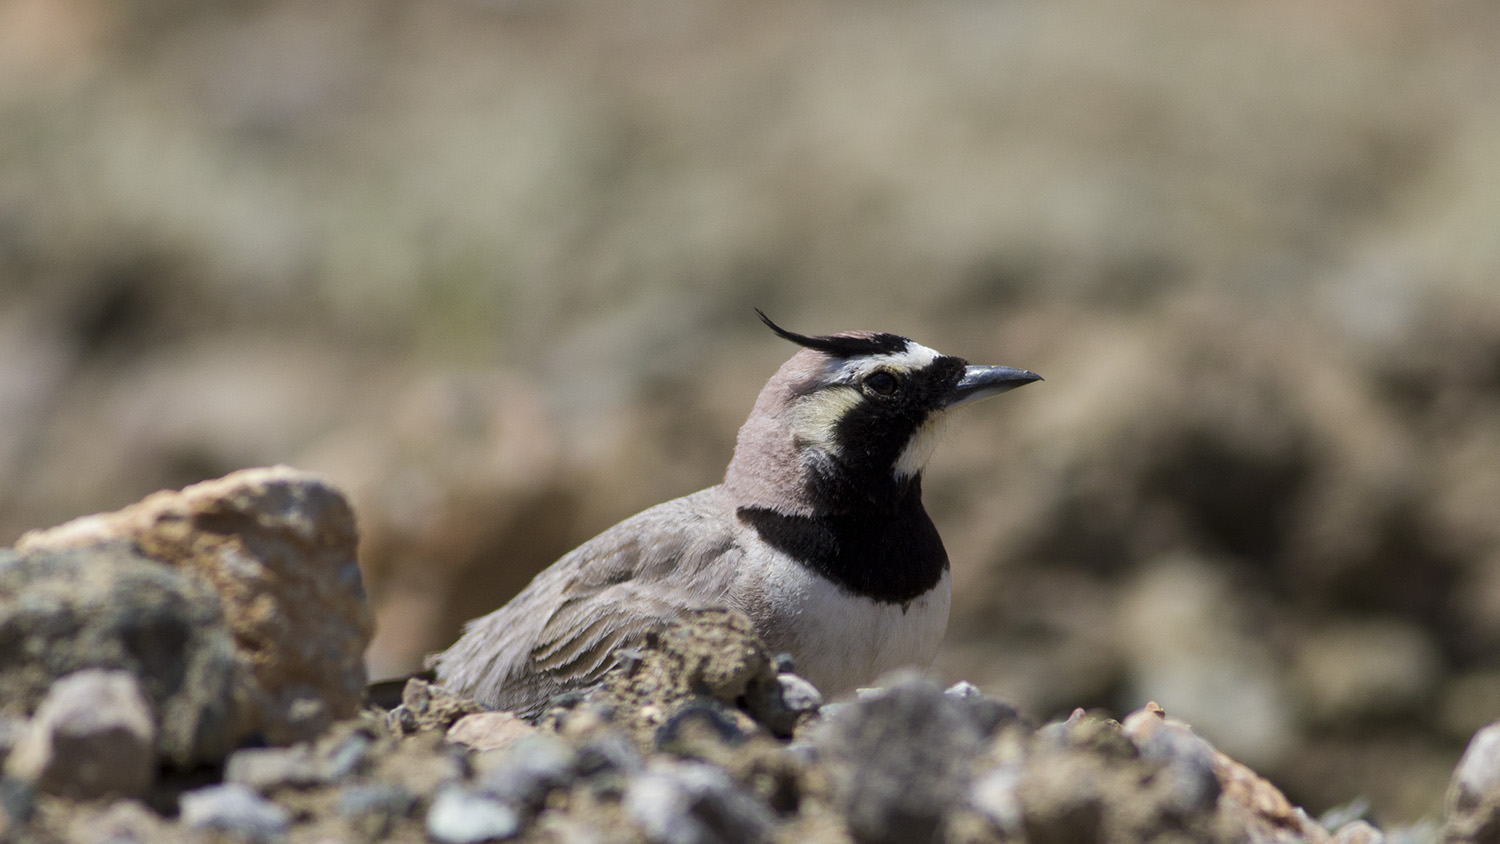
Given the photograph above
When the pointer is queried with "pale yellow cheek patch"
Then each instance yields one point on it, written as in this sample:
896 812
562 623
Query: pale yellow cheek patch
919 449
815 417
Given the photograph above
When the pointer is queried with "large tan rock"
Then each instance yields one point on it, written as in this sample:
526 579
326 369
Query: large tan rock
279 547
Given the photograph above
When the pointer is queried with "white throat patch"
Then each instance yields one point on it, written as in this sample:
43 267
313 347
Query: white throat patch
919 448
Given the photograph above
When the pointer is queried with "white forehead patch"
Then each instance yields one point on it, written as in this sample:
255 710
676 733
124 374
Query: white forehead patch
916 356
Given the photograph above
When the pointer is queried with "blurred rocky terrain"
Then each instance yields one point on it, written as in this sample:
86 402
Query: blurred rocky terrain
145 649
489 266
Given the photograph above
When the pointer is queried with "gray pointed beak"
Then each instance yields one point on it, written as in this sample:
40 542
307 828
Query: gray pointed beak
981 382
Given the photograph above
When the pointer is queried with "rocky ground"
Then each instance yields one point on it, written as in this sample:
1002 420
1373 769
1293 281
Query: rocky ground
189 669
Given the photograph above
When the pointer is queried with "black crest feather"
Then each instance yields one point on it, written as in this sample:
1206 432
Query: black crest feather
844 346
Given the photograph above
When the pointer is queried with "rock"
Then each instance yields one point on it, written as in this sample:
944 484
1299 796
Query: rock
425 706
107 607
119 822
784 705
608 753
236 811
462 816
1251 803
1064 797
12 728
994 795
710 655
1086 779
1189 781
375 808
343 756
695 803
900 760
1358 832
278 547
268 769
525 772
963 690
93 736
695 730
1473 800
483 731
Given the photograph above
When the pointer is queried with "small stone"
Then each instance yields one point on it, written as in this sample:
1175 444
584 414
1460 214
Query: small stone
797 694
1340 816
235 810
901 759
266 769
525 772
1478 771
1190 783
963 690
461 816
11 731
606 760
1358 832
92 736
994 795
695 803
1062 796
785 703
374 809
120 822
687 731
347 757
489 730
381 798
425 706
17 801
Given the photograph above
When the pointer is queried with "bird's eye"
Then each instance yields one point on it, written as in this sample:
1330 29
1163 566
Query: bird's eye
881 383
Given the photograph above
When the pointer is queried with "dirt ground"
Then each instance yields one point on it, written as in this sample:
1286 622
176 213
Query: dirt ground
490 267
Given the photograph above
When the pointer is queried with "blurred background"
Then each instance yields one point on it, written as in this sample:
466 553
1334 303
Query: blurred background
491 265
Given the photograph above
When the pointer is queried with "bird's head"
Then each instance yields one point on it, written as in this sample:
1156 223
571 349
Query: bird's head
852 414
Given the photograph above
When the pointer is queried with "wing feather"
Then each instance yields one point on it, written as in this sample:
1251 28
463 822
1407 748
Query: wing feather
562 631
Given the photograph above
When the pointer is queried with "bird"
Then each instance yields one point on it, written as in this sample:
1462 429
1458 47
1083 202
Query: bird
817 533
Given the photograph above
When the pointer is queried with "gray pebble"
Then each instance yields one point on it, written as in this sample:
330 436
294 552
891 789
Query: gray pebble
375 798
93 735
695 803
461 816
1478 770
798 695
345 759
901 759
963 690
236 810
523 773
609 753
1358 832
994 795
1189 760
266 769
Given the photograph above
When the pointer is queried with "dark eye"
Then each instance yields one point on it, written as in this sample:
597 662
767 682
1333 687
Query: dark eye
881 383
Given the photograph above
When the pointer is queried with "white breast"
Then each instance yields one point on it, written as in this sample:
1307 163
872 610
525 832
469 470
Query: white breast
840 641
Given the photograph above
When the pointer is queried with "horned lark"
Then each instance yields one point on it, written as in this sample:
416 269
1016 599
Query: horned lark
817 533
